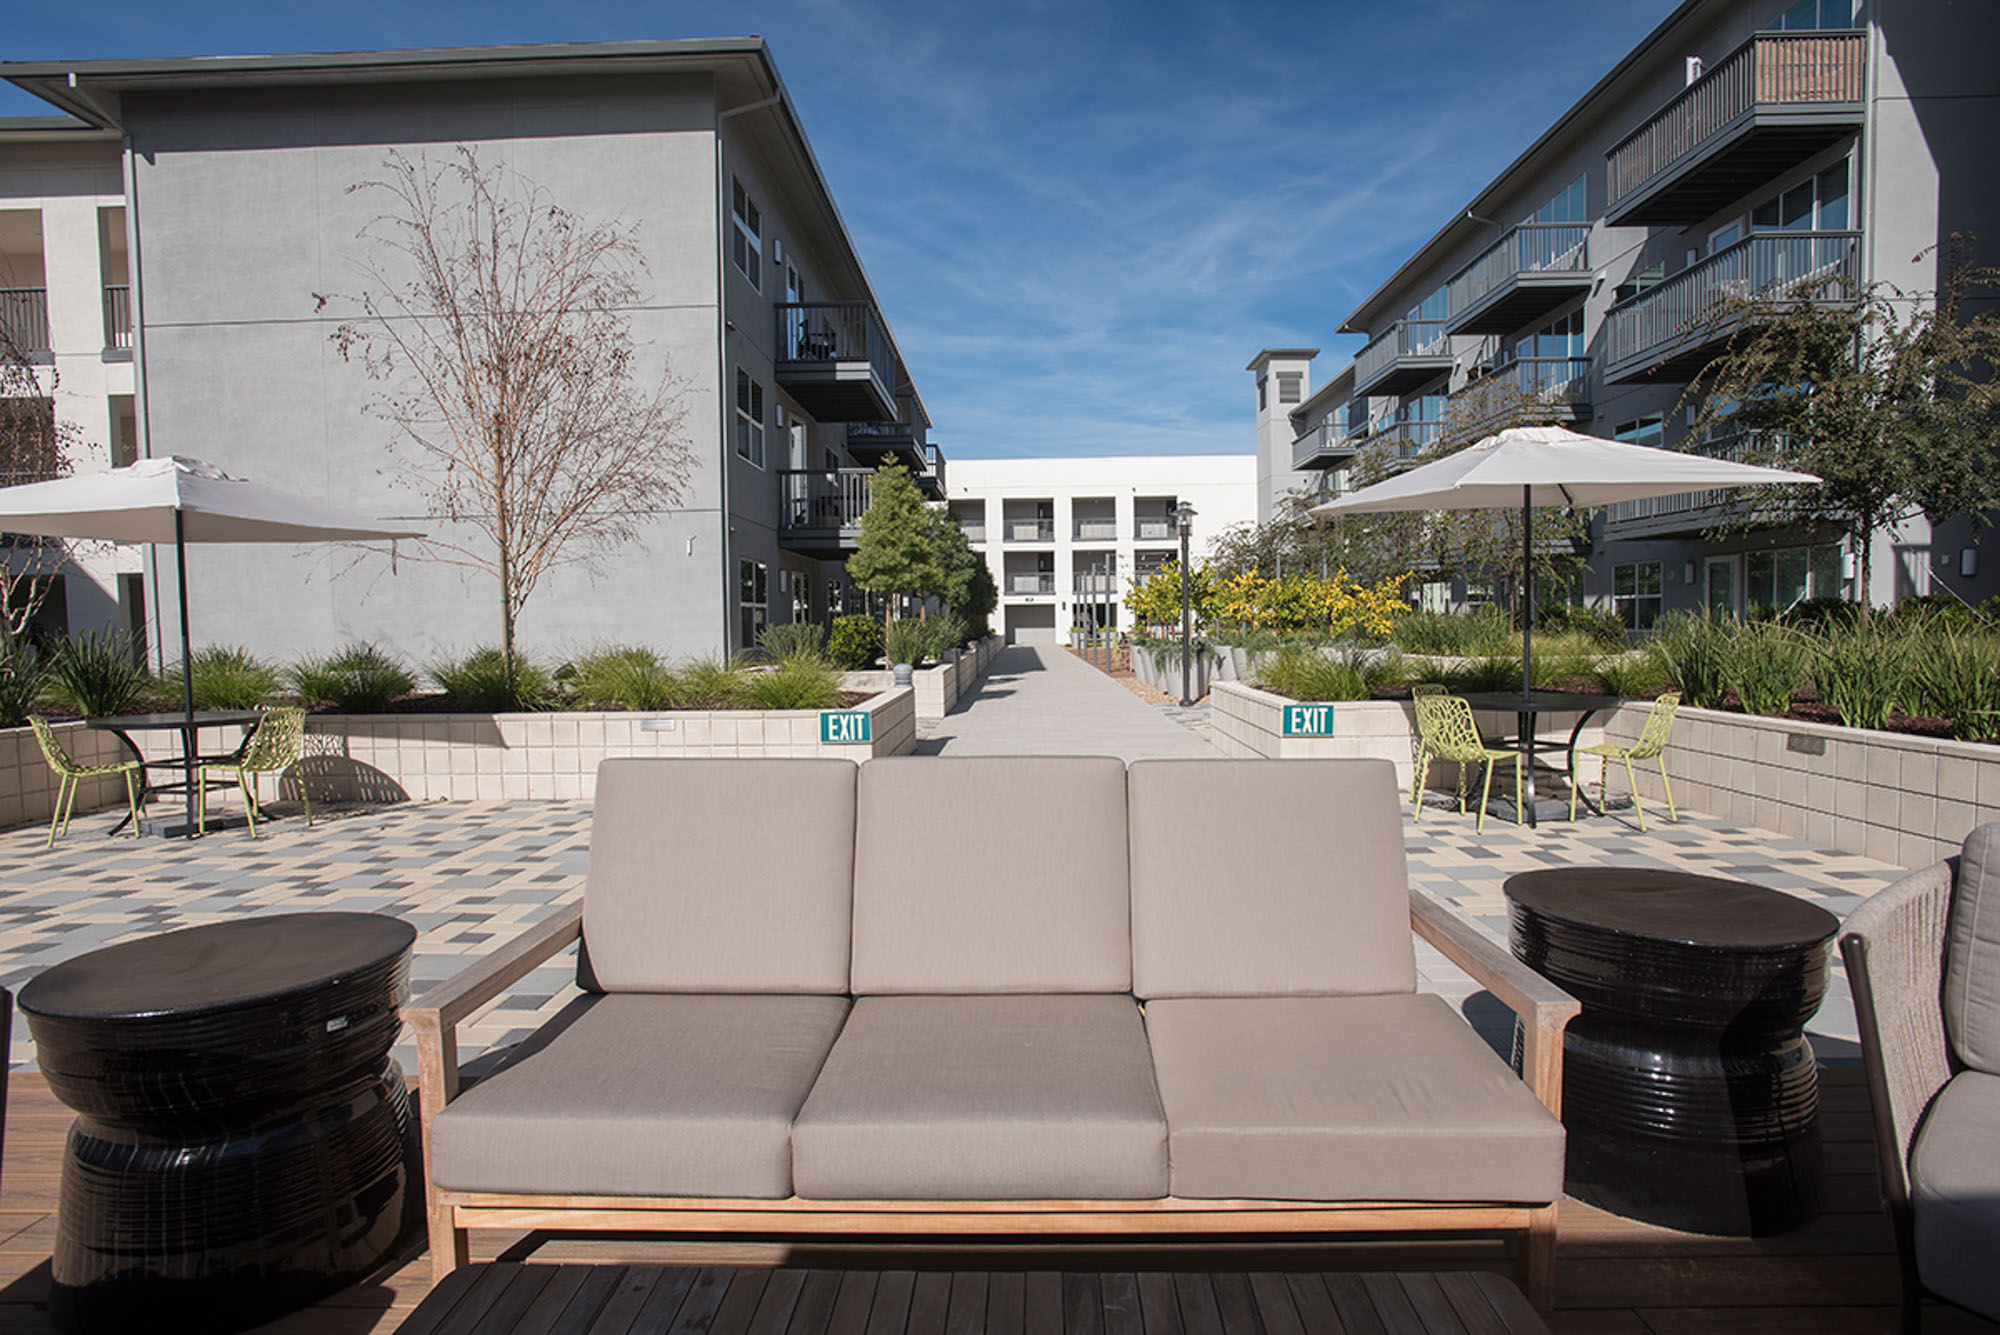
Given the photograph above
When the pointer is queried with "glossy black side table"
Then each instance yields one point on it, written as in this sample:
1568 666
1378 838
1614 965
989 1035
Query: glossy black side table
1690 1093
244 1144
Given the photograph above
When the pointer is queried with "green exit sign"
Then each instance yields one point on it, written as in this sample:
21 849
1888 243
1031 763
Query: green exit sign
1308 720
841 727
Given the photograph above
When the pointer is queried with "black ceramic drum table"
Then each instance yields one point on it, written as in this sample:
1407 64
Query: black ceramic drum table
244 1144
1689 1091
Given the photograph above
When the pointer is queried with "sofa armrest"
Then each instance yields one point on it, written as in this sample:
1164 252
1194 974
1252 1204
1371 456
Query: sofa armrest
1893 946
435 1016
1545 1010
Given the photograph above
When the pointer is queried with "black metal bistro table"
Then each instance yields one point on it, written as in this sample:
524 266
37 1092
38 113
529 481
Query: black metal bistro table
1690 1093
244 1144
1525 708
189 727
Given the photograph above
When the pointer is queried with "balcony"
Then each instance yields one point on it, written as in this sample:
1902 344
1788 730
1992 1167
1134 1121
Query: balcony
117 318
1029 530
878 443
1524 276
1774 102
1155 529
1328 445
1690 513
1095 530
931 480
1671 330
1028 586
1411 354
819 510
833 357
24 320
1403 442
1526 386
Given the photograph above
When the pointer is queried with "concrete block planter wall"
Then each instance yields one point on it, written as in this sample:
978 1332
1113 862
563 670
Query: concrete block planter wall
28 785
1889 796
938 687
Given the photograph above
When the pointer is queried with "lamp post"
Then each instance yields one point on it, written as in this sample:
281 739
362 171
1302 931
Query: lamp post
1184 520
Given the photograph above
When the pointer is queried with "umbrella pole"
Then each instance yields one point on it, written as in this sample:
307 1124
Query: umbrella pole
1527 595
187 671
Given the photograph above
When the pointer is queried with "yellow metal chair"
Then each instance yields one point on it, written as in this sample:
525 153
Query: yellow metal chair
273 747
69 774
1652 745
1446 731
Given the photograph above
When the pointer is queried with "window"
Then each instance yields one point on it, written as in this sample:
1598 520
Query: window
1817 14
1566 207
1639 282
836 598
1260 393
1635 592
1289 385
751 594
802 596
1561 337
795 286
746 240
1640 431
749 418
1816 204
1774 581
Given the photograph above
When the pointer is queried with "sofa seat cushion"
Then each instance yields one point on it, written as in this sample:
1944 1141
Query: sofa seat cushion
1955 1192
643 1094
1384 1098
984 1098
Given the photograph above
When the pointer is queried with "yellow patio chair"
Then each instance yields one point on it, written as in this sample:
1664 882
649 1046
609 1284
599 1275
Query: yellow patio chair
69 774
1652 745
273 747
1446 731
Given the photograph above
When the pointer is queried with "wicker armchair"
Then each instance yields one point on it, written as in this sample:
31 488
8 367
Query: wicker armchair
1931 1110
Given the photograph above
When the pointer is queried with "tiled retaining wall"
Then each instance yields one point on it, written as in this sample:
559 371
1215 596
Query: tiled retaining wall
1896 798
938 688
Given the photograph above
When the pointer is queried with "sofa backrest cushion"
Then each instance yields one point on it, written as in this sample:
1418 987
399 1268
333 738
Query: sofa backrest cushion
1268 878
991 874
720 876
1972 954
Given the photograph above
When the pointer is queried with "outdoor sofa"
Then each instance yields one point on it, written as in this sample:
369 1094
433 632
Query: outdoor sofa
1012 995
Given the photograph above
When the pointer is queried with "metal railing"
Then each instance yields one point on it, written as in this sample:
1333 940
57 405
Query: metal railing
1764 263
974 532
1029 530
1529 248
1096 530
1737 446
117 315
1789 68
1154 530
24 316
881 433
835 331
1406 440
1513 388
822 498
1406 338
1041 583
1326 438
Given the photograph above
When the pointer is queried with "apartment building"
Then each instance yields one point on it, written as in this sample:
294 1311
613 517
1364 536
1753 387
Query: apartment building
1742 144
212 201
1065 538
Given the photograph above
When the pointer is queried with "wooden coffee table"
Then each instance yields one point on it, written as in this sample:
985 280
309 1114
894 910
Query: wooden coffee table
511 1299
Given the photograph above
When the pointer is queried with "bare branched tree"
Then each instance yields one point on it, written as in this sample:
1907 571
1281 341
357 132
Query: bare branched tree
35 446
498 324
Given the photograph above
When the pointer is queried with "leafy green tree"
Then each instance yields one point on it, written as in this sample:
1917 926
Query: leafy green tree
958 566
896 551
1891 397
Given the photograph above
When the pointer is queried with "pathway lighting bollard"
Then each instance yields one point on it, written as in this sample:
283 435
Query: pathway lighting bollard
1184 519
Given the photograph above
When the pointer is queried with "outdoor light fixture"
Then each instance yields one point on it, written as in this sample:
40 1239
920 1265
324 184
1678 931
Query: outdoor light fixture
1968 562
1184 520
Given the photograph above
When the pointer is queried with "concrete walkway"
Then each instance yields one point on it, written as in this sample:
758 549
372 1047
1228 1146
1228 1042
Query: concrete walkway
1041 700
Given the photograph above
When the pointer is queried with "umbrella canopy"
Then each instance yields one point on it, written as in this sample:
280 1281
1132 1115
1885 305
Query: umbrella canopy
179 501
1550 465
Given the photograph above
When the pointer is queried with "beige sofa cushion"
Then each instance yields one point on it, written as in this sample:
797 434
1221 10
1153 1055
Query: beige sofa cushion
1252 879
1386 1098
1955 1192
643 1095
984 1098
720 876
996 874
1972 954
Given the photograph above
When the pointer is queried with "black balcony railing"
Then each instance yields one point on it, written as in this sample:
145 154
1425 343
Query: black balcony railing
1531 248
828 499
1324 445
1421 341
1526 386
1778 70
117 316
24 317
821 346
1687 311
1690 510
1404 441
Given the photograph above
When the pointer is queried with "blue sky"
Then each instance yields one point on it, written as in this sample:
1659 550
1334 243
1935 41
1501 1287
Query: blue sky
1082 218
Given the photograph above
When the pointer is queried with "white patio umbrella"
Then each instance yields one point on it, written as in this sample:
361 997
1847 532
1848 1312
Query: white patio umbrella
1549 465
179 500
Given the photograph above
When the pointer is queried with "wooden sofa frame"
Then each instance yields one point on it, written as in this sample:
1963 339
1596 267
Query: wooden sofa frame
1544 1009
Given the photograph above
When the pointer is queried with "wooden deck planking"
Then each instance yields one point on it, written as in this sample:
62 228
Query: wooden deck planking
1615 1276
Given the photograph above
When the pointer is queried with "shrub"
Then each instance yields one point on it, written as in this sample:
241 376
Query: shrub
1764 665
907 642
22 673
709 683
227 677
1862 674
789 641
629 677
1813 612
1633 675
1494 672
1956 676
945 632
1691 650
801 681
1567 657
1483 630
1309 674
480 680
98 675
1596 624
359 679
856 642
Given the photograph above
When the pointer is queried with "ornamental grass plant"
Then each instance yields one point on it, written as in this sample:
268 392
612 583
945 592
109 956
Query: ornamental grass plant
1765 664
480 678
1956 676
359 679
231 677
98 675
1863 674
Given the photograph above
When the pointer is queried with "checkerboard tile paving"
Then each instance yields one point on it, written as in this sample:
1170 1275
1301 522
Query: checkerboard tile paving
469 874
